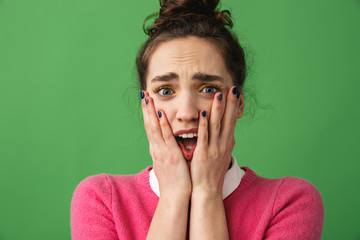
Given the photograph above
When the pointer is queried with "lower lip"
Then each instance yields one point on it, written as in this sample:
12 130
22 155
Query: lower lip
188 154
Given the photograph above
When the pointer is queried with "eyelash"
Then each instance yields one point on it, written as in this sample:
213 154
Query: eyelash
157 90
217 89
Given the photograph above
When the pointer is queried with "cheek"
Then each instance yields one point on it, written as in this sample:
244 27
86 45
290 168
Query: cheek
205 105
166 108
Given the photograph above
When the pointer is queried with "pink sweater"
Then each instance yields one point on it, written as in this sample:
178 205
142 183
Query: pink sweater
121 207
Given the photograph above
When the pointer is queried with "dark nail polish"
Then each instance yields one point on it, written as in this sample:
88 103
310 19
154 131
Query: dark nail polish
146 101
159 113
220 96
235 90
203 113
142 95
238 94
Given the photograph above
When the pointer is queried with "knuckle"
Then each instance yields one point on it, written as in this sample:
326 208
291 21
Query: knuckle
167 136
222 148
215 153
203 157
203 124
216 126
230 121
172 159
153 127
203 136
218 107
162 122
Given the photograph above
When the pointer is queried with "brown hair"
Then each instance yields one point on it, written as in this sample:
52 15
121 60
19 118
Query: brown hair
200 18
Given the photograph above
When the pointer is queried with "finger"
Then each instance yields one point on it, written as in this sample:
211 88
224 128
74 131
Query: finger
143 108
146 93
215 119
202 138
230 114
166 130
151 122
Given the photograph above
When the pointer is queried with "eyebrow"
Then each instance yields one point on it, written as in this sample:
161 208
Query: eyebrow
197 76
166 77
207 77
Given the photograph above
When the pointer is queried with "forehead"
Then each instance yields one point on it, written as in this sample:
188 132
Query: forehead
186 56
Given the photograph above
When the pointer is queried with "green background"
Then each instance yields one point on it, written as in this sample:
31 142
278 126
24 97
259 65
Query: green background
69 103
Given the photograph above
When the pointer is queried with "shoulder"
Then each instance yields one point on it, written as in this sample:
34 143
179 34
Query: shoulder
104 185
284 191
91 208
96 183
298 210
93 190
299 196
293 205
95 201
293 187
280 188
302 191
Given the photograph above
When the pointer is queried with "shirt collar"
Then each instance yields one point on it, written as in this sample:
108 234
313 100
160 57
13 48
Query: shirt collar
231 181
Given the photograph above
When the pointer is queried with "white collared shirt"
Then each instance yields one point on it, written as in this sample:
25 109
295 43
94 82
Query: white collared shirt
231 181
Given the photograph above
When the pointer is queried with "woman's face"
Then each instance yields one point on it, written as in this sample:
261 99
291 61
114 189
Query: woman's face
183 76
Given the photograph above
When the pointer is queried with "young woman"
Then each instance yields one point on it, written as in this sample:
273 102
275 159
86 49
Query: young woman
191 72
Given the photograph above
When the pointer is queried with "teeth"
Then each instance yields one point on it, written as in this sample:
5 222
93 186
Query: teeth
189 135
188 147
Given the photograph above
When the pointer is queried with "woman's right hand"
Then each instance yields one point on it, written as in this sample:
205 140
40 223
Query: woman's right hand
171 214
169 164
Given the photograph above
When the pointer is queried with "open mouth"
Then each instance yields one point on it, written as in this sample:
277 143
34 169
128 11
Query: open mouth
187 143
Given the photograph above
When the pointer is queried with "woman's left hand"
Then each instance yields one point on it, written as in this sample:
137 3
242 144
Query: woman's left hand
215 143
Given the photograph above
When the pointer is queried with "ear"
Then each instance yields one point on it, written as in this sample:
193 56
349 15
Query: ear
240 110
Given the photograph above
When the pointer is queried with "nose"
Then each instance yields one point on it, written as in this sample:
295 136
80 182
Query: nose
187 108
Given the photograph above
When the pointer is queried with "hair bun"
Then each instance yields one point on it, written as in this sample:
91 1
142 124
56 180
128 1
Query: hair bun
195 6
176 10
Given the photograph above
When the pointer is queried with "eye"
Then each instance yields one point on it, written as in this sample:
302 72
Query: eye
210 89
165 91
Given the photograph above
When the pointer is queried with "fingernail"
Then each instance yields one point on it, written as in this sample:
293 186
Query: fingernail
238 94
159 113
146 101
220 96
235 90
203 113
142 95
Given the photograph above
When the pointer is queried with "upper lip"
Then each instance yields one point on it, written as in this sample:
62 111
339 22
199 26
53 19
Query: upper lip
191 130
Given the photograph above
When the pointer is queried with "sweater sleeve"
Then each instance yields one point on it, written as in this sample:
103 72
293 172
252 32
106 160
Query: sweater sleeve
91 216
298 212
